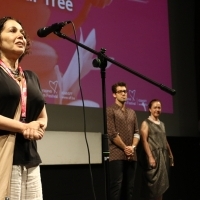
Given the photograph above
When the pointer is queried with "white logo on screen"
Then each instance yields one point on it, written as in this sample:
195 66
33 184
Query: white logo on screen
53 85
132 94
143 103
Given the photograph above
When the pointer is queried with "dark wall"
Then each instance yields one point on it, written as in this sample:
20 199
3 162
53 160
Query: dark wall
185 175
182 43
73 182
197 53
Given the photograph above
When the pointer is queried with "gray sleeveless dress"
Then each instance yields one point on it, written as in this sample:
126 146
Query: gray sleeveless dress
155 181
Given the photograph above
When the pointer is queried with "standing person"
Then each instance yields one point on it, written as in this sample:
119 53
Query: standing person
18 86
124 136
155 155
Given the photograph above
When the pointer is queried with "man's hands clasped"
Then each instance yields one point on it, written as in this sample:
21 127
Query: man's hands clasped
129 151
33 130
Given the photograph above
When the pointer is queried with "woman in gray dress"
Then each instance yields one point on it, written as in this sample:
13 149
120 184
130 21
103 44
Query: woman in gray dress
156 156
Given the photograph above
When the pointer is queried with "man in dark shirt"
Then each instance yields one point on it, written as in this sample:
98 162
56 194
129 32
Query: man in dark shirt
124 136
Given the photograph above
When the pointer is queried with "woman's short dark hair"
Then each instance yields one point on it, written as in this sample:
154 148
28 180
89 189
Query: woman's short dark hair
114 87
3 21
152 101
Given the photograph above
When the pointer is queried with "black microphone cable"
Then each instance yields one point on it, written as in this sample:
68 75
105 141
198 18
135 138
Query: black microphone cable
84 118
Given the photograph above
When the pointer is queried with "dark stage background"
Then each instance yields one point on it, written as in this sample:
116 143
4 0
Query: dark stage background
73 182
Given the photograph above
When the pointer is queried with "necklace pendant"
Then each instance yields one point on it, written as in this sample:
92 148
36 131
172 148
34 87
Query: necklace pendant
18 78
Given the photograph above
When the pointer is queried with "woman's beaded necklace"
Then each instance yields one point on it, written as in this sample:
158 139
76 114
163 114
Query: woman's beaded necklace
16 73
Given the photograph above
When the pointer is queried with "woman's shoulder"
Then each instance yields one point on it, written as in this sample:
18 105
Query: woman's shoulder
30 74
146 121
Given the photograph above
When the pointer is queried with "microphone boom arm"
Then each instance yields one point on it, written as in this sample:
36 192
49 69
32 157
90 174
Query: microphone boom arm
161 86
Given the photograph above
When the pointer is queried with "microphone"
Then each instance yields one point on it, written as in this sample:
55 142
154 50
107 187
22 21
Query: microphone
43 32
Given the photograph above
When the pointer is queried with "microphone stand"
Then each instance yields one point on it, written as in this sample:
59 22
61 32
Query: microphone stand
101 62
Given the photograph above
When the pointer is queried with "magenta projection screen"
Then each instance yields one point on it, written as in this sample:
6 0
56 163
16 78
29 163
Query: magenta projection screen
134 33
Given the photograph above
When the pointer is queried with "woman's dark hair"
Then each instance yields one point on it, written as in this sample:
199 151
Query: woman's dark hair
114 87
152 101
3 21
